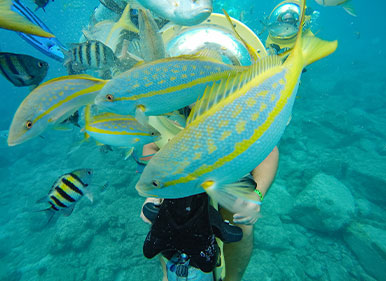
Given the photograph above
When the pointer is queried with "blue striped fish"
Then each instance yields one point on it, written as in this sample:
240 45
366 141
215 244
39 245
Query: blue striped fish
51 103
67 190
118 130
232 129
162 86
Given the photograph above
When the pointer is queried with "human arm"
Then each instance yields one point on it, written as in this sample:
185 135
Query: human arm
263 175
149 149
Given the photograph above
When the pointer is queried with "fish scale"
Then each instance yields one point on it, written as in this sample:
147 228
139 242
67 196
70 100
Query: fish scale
51 103
118 130
162 86
216 162
232 129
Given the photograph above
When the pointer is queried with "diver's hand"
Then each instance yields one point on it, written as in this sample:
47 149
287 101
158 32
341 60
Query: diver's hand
155 201
250 213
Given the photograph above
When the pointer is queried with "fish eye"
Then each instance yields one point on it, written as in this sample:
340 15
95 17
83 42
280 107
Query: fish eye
155 183
40 64
152 133
110 97
28 124
89 172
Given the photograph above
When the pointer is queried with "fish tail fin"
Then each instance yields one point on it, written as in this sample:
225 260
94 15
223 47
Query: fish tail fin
310 48
314 49
124 22
349 8
50 213
12 21
232 197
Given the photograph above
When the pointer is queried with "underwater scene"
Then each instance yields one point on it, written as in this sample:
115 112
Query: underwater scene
91 90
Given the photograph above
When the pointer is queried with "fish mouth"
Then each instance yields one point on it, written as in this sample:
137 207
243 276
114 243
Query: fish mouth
207 10
13 142
143 193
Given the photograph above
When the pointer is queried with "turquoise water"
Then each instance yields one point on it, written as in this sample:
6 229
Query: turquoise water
323 218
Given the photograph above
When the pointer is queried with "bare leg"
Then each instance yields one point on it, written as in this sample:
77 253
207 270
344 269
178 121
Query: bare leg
163 265
237 254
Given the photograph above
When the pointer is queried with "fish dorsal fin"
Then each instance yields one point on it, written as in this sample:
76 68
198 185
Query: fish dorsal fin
219 91
252 52
69 77
209 54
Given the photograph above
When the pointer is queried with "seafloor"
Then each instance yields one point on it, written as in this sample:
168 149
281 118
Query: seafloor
323 218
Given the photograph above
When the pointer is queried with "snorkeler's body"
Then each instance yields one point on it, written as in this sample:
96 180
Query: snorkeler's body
236 254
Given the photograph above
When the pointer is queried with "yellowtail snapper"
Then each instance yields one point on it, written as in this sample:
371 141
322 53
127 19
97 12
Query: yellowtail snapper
119 130
50 104
232 129
66 191
22 70
163 85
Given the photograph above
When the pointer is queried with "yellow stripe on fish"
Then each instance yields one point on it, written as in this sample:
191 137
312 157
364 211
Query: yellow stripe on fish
50 103
118 130
198 158
162 86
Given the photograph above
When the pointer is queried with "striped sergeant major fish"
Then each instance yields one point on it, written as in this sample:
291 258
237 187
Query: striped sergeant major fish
91 54
67 190
163 85
49 46
12 21
22 70
50 104
232 129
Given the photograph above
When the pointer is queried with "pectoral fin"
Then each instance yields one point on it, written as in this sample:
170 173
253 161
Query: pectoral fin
129 153
349 8
232 197
89 196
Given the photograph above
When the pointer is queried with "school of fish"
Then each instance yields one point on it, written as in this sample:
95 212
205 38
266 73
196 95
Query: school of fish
120 76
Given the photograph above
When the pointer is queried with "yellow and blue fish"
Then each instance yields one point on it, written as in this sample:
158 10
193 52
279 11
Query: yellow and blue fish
119 130
163 85
51 103
232 129
67 190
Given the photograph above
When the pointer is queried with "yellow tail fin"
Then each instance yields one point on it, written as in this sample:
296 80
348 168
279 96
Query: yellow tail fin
13 21
314 49
124 23
309 49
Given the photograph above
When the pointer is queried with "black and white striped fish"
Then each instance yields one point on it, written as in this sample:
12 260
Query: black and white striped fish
91 54
22 70
67 190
